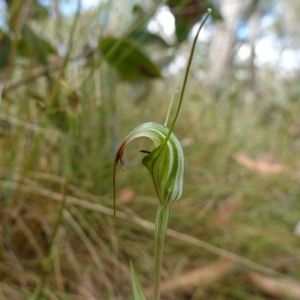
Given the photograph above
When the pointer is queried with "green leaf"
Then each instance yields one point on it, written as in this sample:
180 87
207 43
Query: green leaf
34 47
153 43
188 12
141 36
5 48
130 61
39 12
137 290
216 13
30 46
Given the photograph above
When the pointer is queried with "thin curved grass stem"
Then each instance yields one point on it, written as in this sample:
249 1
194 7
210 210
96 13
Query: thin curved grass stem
161 225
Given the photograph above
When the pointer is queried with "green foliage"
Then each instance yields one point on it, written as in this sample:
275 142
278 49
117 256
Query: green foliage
5 49
19 40
39 12
137 290
30 46
142 37
188 13
130 61
34 47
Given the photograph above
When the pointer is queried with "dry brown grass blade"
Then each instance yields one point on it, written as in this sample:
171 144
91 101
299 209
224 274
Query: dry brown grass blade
6 290
145 224
281 288
10 257
200 277
24 228
90 247
94 237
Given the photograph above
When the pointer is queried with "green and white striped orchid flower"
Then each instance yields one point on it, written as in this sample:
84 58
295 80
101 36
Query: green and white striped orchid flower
165 163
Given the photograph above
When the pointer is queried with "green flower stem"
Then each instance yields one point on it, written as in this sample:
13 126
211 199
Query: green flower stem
209 11
161 225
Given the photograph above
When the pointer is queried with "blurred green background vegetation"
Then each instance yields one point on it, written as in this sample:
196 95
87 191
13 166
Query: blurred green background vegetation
75 78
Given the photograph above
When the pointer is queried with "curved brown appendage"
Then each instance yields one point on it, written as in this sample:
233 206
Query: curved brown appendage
119 155
118 158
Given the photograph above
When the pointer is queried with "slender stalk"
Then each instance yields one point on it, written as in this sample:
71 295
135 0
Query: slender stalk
209 11
161 225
